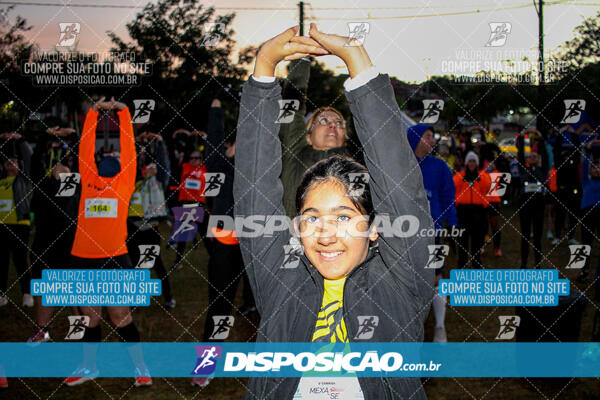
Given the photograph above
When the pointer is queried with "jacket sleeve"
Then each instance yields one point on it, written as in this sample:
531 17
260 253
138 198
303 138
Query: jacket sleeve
585 167
485 185
457 186
292 135
520 142
447 193
215 154
162 163
396 185
128 153
257 189
542 151
87 146
26 153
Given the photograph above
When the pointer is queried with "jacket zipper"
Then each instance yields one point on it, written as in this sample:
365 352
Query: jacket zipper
314 322
345 314
386 384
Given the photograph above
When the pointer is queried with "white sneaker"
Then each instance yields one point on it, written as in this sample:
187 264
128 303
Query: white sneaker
440 335
27 300
3 301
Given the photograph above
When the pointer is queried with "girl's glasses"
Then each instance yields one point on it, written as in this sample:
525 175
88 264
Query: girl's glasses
324 121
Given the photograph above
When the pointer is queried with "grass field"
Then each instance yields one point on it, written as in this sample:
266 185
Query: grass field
186 321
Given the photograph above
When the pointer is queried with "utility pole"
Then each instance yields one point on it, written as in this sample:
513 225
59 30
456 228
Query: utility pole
541 76
301 23
540 120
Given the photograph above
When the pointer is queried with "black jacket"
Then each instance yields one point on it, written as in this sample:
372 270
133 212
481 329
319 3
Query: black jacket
391 283
55 219
217 161
23 181
532 173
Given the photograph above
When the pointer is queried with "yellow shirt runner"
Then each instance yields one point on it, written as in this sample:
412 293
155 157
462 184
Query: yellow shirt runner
8 212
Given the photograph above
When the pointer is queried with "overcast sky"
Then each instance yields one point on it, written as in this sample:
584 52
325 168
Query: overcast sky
408 39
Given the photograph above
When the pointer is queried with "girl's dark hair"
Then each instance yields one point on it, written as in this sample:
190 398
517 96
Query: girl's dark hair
343 170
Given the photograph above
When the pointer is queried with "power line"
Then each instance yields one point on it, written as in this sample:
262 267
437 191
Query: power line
406 7
16 3
477 11
454 13
67 5
431 15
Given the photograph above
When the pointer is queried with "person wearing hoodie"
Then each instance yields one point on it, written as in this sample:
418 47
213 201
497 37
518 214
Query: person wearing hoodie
472 187
439 186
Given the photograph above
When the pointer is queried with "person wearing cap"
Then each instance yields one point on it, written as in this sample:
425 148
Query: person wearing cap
439 186
472 186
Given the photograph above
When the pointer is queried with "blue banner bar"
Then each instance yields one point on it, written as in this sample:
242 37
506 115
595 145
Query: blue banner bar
314 359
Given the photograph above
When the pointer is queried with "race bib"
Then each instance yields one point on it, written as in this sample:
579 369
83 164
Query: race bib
312 388
101 208
533 187
193 184
5 205
136 198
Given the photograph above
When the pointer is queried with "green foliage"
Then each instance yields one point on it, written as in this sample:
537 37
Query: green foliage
169 34
185 73
583 49
13 46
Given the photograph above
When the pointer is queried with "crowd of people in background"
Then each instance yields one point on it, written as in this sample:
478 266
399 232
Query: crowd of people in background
471 184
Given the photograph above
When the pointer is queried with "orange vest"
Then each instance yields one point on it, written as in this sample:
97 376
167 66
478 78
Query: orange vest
492 199
192 184
102 221
225 236
472 194
551 182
